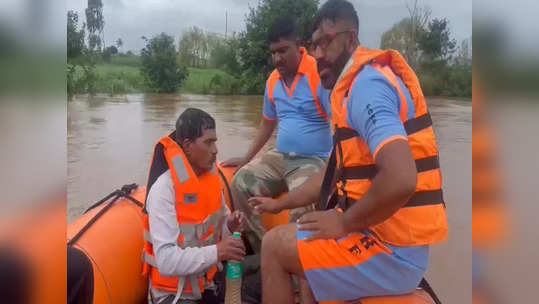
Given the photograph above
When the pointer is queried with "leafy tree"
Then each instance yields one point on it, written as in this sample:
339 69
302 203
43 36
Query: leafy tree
404 36
75 37
78 59
464 53
254 51
225 55
196 46
427 46
109 52
94 24
399 38
160 69
119 43
436 42
419 17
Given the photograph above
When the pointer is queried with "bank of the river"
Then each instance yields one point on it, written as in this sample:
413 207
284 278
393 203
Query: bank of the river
124 77
121 79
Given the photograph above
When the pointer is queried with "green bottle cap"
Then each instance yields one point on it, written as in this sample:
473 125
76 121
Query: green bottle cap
235 270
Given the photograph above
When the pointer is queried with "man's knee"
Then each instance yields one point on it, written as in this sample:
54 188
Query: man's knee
270 241
280 243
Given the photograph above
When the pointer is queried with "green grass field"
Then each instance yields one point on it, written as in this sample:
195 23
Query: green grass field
105 69
122 75
118 79
206 81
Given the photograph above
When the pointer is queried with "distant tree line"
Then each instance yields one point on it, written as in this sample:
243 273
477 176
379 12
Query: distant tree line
443 67
245 55
159 71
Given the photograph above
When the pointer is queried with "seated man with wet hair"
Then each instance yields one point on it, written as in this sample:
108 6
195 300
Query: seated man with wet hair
187 222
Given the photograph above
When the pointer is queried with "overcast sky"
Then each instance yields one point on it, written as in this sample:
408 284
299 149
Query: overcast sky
131 19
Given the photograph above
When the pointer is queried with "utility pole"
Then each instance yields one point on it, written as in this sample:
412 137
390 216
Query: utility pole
226 23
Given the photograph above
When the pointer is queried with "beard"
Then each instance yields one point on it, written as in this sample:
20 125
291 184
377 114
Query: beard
329 80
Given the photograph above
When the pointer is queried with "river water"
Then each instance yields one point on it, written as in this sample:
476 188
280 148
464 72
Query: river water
111 139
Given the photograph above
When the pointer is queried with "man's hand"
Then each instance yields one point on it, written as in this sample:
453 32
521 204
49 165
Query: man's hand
234 162
230 249
323 224
235 221
265 205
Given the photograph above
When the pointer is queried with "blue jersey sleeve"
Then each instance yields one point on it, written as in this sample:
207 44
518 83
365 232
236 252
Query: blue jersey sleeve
373 110
269 111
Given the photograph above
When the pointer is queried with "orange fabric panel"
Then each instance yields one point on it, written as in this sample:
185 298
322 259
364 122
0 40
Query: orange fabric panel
320 254
356 189
423 143
116 280
429 180
401 229
208 190
170 284
355 152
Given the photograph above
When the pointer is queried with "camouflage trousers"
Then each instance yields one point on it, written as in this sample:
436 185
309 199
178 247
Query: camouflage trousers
271 175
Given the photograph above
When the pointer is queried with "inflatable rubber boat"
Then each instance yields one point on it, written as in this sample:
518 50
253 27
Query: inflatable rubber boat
110 235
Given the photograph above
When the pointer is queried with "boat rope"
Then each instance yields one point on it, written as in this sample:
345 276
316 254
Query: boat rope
426 287
125 192
227 188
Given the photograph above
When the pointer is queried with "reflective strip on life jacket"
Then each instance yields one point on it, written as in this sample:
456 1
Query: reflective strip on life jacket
147 236
181 285
181 169
147 258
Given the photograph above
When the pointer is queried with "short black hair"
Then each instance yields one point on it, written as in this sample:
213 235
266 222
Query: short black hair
192 123
337 10
283 27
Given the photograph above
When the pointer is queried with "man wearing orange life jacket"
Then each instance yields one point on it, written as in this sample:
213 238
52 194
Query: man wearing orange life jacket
384 172
296 104
187 223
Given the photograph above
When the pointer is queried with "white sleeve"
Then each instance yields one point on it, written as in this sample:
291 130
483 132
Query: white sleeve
170 258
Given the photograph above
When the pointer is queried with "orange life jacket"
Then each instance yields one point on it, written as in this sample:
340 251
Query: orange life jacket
308 68
200 209
422 219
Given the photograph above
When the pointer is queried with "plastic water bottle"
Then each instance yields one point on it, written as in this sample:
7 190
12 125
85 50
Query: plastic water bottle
234 272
